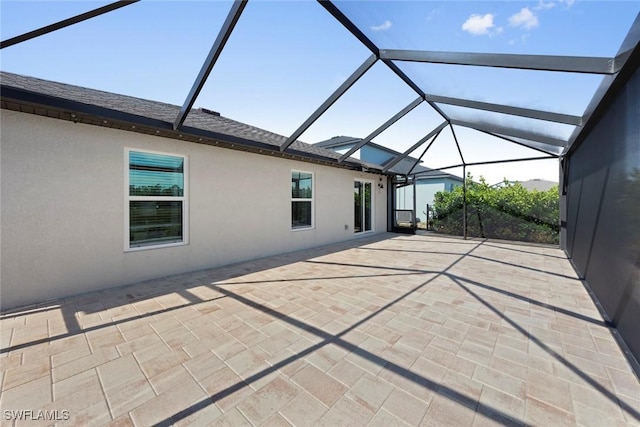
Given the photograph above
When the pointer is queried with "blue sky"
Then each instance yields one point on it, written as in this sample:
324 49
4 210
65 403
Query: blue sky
286 57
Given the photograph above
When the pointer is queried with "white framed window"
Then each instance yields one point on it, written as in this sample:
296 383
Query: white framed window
302 193
156 192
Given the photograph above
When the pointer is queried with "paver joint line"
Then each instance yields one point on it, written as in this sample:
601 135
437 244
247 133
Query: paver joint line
102 326
328 338
442 334
558 357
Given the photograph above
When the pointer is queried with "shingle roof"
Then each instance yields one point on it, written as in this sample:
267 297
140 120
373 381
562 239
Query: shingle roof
163 112
338 141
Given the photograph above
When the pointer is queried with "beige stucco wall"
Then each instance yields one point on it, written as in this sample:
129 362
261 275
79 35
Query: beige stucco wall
63 201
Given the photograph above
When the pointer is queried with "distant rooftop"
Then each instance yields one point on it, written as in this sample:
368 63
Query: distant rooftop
532 184
538 184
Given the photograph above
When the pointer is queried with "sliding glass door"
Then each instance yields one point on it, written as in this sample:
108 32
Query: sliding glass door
362 206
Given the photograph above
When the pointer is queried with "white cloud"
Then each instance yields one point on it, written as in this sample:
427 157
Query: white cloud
543 5
382 27
525 19
550 4
522 40
432 14
479 25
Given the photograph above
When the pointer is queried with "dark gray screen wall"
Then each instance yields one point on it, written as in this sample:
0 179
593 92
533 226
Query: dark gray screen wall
603 211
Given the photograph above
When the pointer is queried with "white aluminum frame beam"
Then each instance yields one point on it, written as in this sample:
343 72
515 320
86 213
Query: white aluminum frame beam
506 109
518 133
490 162
567 64
455 139
522 143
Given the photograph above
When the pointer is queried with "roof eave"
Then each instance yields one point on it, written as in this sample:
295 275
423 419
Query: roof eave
26 101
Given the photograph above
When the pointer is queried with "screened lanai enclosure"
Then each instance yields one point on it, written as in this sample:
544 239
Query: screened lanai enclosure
381 72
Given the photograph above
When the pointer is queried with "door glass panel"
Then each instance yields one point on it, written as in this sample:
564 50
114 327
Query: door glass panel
367 206
357 207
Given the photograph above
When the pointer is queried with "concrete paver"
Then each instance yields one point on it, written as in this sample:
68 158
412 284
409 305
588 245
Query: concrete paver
385 329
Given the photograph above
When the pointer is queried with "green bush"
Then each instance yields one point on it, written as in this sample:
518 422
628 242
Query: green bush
508 212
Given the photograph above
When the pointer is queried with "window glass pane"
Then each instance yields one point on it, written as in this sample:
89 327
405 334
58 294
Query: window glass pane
300 214
301 185
155 222
367 206
155 175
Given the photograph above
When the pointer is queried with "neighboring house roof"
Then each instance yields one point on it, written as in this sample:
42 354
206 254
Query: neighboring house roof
532 184
90 106
401 168
340 141
538 184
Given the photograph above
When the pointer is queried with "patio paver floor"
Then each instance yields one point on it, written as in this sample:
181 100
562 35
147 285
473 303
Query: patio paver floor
384 330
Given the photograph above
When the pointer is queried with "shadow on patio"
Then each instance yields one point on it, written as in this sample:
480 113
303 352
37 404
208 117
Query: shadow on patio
383 331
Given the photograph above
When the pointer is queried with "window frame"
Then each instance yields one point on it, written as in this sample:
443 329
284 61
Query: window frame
301 199
184 199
